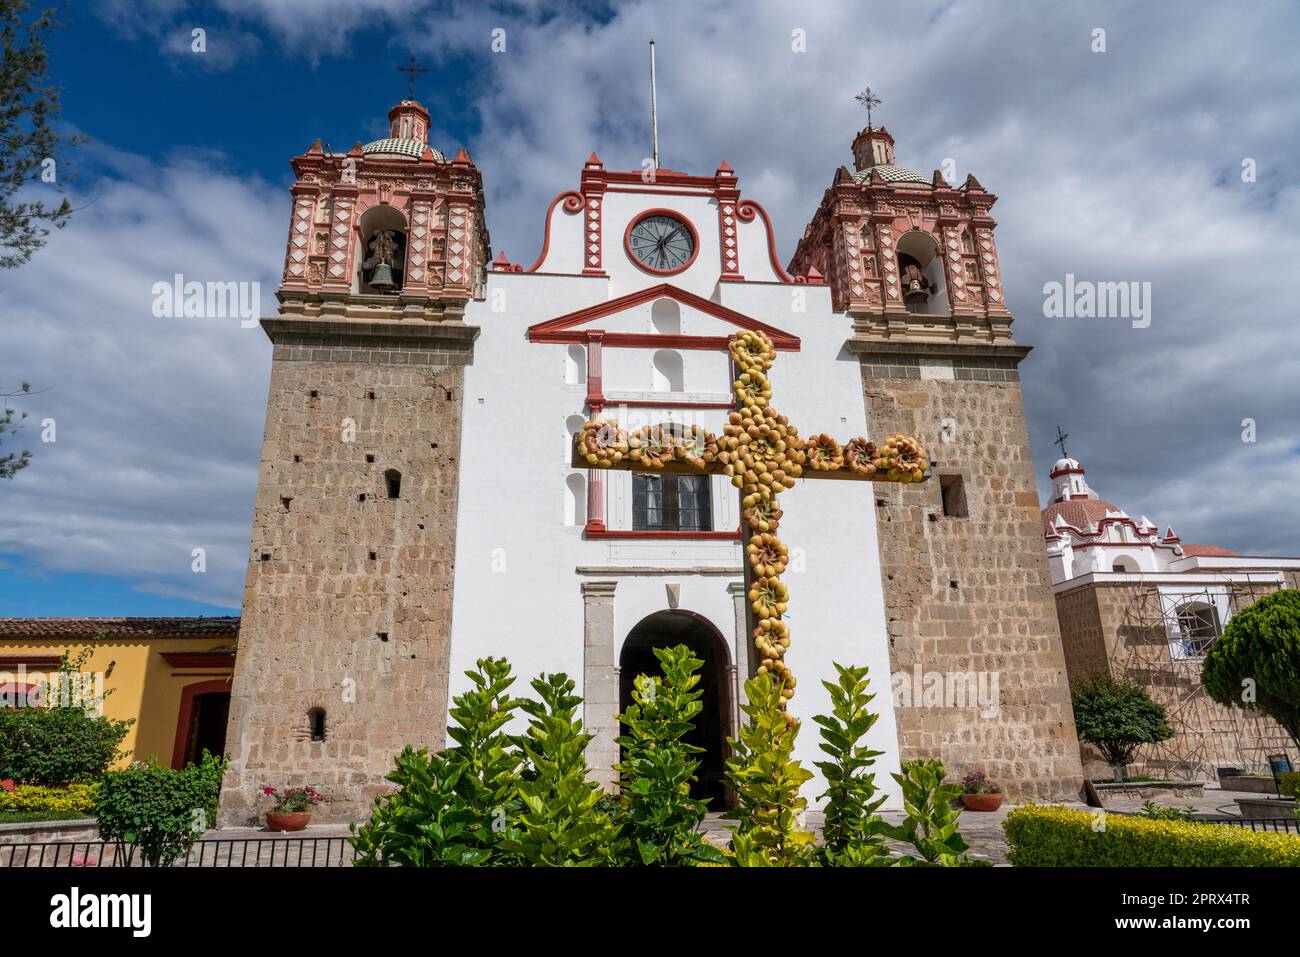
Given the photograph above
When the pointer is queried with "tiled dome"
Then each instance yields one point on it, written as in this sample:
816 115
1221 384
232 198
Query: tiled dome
891 174
396 147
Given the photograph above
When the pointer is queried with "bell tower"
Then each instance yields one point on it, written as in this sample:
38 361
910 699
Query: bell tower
344 643
913 260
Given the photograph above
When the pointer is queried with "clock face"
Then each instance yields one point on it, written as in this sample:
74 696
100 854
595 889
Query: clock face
662 243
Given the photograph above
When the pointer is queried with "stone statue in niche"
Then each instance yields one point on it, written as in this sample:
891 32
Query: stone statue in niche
323 209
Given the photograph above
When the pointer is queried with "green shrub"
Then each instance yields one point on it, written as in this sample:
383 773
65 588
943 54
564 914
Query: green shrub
560 822
1117 716
1063 837
931 822
852 830
766 778
1289 783
57 745
159 812
67 799
659 819
449 807
1255 663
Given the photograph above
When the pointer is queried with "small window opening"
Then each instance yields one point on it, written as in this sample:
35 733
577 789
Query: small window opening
393 480
373 554
382 636
285 500
297 458
953 492
316 723
370 460
361 497
315 394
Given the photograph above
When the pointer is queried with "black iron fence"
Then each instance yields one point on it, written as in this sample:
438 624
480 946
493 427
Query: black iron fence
212 852
1278 824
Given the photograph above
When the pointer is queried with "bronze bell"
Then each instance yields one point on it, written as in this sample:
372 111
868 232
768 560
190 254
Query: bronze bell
382 277
916 286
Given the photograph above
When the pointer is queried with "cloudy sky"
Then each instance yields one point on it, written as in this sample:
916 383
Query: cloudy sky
1122 165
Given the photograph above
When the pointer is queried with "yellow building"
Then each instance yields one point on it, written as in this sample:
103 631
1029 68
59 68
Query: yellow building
172 675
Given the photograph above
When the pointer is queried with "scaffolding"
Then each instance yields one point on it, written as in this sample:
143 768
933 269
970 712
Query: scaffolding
1160 647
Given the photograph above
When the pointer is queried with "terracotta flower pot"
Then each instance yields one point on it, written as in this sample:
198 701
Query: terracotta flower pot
287 820
982 802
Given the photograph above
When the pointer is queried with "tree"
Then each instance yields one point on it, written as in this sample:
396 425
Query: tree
13 462
30 148
1117 716
1255 663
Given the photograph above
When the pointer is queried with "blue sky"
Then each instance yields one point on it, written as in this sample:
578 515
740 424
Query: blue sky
1115 166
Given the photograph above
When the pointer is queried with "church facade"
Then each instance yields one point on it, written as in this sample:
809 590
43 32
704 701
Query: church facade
418 507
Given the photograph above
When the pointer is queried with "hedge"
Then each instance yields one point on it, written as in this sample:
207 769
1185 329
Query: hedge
73 798
1289 783
1062 837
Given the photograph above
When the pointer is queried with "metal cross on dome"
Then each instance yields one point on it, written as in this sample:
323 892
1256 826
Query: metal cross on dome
1060 440
412 70
868 99
764 455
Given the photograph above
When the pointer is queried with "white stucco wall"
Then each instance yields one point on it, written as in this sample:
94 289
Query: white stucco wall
518 584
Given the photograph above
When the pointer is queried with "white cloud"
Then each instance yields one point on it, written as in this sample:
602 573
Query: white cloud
158 421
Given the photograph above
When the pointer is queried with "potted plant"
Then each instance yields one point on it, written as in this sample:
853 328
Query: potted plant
292 809
979 793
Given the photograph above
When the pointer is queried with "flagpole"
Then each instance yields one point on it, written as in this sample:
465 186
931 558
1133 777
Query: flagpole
654 113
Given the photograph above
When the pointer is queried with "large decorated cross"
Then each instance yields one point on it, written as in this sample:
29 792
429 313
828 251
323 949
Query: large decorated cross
764 455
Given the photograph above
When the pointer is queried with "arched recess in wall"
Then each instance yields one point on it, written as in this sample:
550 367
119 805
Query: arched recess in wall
1124 564
920 269
572 426
575 365
373 221
575 500
668 374
666 317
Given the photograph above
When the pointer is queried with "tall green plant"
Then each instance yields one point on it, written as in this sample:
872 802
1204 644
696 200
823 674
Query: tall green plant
450 807
852 831
766 778
1117 715
561 821
931 823
660 820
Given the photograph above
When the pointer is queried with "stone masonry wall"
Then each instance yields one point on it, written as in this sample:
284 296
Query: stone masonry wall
347 604
972 594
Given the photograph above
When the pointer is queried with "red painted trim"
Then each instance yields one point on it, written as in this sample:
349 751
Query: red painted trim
745 211
650 188
659 404
672 214
663 177
573 203
557 329
188 694
593 531
199 659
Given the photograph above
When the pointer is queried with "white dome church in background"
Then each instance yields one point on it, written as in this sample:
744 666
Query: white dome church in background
1136 602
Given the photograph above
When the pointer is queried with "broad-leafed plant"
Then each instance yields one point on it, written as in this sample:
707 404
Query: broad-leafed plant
931 823
561 820
852 832
766 779
660 819
450 807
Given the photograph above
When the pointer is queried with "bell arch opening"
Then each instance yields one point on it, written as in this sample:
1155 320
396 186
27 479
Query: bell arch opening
381 253
920 267
663 629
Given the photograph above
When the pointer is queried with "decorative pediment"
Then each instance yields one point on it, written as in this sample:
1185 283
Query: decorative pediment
584 325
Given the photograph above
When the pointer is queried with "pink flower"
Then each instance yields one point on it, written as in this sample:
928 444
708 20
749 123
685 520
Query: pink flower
268 790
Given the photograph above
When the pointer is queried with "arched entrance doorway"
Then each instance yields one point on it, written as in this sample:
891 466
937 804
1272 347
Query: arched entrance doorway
662 630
